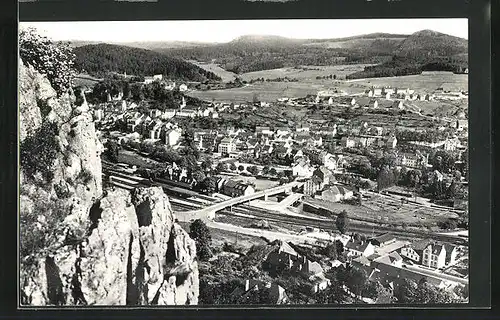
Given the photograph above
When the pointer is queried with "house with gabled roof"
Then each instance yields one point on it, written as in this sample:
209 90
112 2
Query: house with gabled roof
359 248
383 239
302 128
398 104
280 258
312 186
263 131
276 293
392 258
391 276
432 254
410 253
461 124
282 130
324 175
155 129
336 193
347 142
235 189
362 262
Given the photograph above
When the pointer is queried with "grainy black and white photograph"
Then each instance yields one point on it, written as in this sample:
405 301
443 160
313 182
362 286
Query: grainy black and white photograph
243 162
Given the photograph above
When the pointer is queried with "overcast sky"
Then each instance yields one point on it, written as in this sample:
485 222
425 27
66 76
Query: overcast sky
227 30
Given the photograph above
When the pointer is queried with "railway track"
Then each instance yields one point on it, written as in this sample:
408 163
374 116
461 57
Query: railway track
260 214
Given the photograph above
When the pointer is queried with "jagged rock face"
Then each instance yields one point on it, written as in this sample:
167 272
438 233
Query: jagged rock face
76 169
123 261
114 250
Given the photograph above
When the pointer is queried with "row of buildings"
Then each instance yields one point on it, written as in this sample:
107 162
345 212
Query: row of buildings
364 141
428 253
389 261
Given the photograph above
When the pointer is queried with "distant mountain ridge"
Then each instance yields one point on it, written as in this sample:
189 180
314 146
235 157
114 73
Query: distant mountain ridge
255 52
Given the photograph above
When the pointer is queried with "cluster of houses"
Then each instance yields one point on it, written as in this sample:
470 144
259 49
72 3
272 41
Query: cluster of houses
395 93
153 128
364 141
384 258
284 257
276 293
167 84
389 99
389 260
322 185
178 176
451 144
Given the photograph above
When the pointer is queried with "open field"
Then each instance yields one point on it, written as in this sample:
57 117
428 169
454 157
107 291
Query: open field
134 159
389 211
307 73
226 76
267 91
426 82
85 80
271 91
440 108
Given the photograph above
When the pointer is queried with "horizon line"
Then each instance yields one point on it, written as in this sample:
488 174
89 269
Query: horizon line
253 35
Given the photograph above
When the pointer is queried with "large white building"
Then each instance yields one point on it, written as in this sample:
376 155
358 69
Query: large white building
226 146
173 136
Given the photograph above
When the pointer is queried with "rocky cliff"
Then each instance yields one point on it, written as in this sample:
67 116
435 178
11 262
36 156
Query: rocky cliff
81 245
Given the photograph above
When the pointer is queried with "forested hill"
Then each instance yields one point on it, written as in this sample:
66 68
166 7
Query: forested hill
427 43
99 59
252 53
424 50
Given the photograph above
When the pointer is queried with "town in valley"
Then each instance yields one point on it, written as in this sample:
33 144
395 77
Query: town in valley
320 180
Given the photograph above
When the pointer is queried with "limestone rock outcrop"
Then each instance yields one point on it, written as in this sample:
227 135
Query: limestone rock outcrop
93 247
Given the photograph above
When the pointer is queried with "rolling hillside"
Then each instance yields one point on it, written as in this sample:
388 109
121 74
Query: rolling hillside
395 54
99 59
256 52
428 43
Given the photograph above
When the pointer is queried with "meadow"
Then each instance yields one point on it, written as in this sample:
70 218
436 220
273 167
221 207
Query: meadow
85 80
305 73
427 82
226 76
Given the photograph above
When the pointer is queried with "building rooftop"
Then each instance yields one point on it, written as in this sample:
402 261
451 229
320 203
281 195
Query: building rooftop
383 238
422 244
285 247
363 261
358 246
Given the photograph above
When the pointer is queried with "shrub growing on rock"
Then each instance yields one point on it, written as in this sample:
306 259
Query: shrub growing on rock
54 60
85 176
38 151
38 227
200 233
